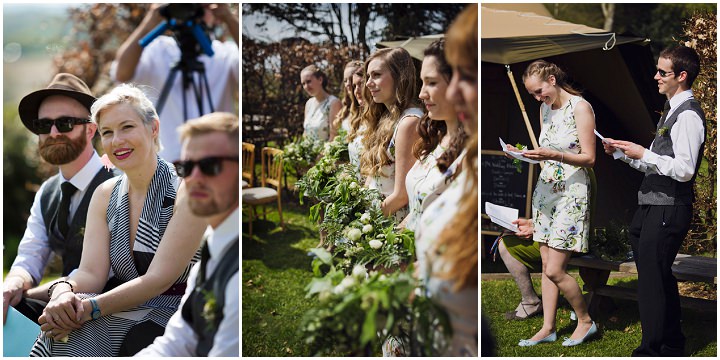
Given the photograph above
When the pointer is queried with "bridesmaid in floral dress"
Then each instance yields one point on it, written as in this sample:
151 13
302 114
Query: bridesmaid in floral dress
321 108
391 118
560 201
449 226
441 137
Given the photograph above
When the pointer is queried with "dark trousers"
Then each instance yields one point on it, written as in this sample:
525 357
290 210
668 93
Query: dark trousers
656 233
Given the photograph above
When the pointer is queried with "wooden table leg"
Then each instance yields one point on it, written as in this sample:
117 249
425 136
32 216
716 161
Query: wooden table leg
593 279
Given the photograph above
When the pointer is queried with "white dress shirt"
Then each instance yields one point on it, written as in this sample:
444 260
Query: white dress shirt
687 135
179 338
34 249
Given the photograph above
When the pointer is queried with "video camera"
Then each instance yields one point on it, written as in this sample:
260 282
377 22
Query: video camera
185 21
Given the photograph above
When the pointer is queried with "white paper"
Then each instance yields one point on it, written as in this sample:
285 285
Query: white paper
617 154
502 215
515 154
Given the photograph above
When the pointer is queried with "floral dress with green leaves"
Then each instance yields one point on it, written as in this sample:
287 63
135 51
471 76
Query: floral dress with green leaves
424 183
384 180
560 208
317 118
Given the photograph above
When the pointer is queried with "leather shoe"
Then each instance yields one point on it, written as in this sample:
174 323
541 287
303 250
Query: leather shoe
592 331
550 338
513 315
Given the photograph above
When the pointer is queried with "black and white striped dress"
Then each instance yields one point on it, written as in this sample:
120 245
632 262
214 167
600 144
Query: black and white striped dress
103 337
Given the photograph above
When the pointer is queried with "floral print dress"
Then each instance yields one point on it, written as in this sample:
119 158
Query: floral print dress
560 202
424 183
384 180
317 118
355 149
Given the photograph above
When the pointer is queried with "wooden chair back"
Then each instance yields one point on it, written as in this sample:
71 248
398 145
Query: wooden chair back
248 162
272 167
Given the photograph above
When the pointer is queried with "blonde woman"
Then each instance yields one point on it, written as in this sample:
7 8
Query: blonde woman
321 108
350 106
391 117
139 228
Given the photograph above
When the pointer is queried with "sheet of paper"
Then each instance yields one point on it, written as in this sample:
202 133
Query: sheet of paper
516 154
617 154
19 334
502 215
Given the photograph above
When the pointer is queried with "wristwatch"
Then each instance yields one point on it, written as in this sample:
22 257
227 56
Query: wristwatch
95 314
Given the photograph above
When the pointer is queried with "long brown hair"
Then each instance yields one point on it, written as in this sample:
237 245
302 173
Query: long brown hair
356 109
431 131
347 98
458 242
380 120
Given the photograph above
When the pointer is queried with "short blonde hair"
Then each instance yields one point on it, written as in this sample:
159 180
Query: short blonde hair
214 122
133 96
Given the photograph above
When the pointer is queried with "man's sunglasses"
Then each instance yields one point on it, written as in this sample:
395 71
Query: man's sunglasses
664 73
63 124
209 166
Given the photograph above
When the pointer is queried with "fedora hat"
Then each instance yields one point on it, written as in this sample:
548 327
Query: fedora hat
62 84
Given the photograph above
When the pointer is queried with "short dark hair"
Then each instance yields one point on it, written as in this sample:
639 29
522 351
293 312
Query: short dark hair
684 59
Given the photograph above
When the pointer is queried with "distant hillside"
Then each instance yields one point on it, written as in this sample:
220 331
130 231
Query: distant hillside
35 26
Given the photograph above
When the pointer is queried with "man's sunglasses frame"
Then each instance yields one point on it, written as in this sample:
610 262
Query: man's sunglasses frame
209 166
63 124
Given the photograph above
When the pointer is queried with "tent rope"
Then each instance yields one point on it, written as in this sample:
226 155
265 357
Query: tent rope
610 40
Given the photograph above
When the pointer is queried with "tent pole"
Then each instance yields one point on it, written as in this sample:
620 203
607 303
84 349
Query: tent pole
531 133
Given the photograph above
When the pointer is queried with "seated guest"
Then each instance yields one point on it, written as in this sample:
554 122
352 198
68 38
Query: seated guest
60 116
522 255
135 230
210 170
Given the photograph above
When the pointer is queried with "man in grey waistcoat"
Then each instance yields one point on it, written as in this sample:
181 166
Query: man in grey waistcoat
207 321
60 116
665 200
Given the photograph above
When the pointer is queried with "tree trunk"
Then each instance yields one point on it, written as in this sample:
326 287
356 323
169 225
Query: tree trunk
609 14
363 10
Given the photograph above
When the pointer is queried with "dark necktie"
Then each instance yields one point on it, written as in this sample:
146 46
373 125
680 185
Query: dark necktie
68 190
666 110
204 258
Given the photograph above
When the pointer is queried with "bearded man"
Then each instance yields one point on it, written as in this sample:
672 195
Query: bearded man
60 116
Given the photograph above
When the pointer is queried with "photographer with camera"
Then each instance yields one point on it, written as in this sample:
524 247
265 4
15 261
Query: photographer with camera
155 63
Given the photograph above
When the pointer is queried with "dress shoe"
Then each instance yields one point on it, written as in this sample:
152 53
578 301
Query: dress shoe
592 331
550 338
513 315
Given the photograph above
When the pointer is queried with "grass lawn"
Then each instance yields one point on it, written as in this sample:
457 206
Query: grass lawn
275 271
620 334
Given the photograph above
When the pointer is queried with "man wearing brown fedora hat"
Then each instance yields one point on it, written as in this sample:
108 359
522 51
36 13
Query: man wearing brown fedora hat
59 115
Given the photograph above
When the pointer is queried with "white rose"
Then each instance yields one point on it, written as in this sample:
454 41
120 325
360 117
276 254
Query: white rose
354 234
376 244
339 289
359 271
365 218
348 282
367 228
353 186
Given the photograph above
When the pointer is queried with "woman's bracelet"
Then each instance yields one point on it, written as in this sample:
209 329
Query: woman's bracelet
50 289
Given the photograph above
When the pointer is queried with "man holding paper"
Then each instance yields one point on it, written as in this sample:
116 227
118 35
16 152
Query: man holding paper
665 200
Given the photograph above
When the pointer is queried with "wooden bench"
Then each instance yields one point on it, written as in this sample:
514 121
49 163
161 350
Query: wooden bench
595 273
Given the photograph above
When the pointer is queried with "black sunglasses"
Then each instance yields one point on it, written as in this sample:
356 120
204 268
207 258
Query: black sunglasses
63 124
664 73
209 166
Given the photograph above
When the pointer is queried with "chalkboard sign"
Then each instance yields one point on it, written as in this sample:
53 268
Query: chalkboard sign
502 184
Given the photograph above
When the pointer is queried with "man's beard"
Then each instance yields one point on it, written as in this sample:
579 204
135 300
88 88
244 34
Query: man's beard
62 149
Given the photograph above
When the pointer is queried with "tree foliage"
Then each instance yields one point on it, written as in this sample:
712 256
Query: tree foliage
657 22
271 77
700 33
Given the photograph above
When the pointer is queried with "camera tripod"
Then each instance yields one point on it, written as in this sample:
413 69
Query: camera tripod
188 66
